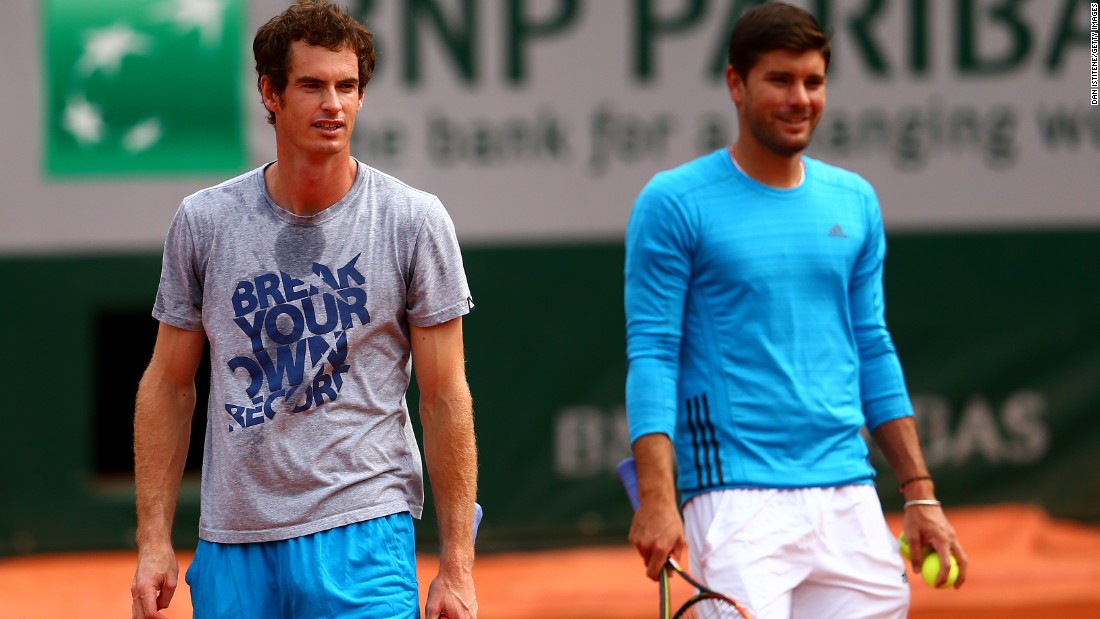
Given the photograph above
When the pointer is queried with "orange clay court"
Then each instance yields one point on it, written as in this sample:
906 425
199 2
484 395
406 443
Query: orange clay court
1022 564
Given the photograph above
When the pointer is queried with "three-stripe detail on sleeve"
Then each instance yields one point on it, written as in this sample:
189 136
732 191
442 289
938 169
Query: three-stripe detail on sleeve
704 442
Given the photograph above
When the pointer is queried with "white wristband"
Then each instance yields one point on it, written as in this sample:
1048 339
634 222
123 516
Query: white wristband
921 502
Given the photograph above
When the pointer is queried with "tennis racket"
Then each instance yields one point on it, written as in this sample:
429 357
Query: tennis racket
705 603
478 513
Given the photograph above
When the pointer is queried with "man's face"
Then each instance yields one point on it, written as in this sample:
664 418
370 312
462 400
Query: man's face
781 100
315 115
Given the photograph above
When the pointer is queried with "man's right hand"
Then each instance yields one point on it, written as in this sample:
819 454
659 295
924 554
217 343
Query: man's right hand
154 582
657 532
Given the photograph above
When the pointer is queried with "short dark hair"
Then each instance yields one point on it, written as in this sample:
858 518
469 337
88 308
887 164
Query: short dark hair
772 26
317 22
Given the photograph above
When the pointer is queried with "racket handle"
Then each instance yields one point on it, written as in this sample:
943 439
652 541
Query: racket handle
628 474
478 513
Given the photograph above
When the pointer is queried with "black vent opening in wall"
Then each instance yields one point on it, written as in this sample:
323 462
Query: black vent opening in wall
122 348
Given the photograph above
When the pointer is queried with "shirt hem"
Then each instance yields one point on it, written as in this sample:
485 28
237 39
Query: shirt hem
460 308
689 494
309 528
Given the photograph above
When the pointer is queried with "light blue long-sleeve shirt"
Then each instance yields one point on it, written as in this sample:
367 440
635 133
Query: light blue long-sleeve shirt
756 334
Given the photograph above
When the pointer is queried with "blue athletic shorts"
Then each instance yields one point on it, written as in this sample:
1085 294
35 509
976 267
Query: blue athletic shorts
362 570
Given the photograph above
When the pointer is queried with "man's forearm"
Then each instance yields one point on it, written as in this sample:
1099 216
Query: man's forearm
900 443
162 433
655 462
451 453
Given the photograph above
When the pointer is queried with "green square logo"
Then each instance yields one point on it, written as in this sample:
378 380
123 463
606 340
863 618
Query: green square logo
143 87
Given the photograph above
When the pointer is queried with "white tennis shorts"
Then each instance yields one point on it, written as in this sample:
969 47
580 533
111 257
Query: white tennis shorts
815 553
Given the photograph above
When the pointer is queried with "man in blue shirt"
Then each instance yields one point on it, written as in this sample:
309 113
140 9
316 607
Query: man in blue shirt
758 349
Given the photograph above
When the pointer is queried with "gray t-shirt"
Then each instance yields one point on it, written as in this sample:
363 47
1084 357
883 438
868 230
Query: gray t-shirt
308 323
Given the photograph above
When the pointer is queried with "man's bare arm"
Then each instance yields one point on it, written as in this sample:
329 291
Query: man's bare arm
923 523
446 411
162 431
657 529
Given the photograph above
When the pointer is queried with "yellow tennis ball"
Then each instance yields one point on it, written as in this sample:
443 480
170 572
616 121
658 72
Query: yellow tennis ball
930 569
904 545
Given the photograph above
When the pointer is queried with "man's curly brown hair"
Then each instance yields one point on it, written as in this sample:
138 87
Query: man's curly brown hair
316 22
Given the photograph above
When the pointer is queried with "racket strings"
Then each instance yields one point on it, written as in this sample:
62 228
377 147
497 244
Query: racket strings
703 602
708 607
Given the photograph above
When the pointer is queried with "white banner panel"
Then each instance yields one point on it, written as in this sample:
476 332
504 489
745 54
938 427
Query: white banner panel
540 120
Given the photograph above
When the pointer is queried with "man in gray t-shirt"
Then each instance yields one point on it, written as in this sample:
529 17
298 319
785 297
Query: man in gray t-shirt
319 283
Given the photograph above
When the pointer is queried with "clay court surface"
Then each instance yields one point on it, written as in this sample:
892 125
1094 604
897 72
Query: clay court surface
1023 564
